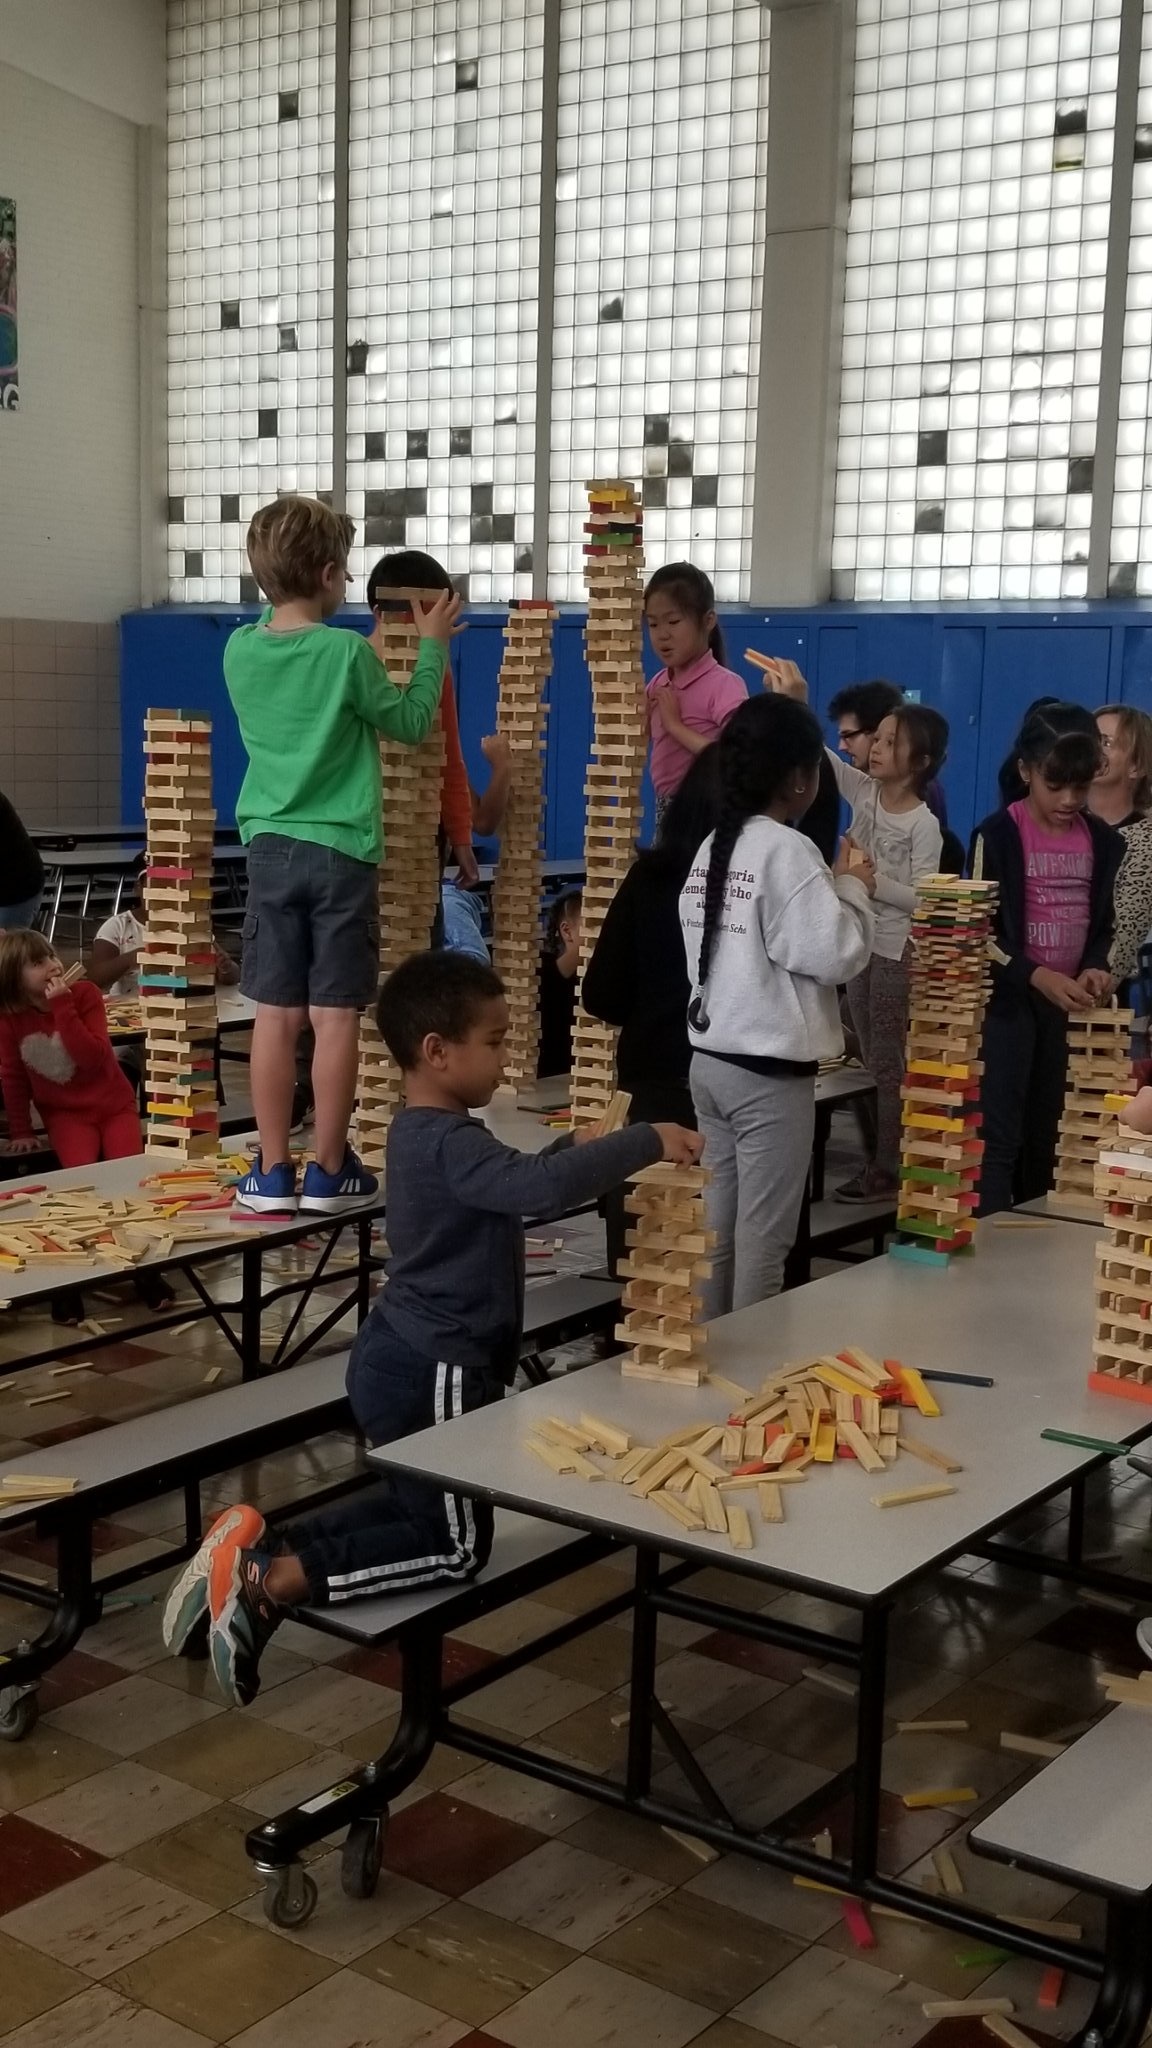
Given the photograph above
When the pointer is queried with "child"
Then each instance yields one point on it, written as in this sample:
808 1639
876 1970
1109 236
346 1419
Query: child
113 965
1056 866
559 964
412 570
310 701
693 695
768 935
893 825
637 977
1122 796
55 1052
443 1337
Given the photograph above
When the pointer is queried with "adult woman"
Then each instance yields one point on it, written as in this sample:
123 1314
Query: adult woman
637 977
1121 795
21 871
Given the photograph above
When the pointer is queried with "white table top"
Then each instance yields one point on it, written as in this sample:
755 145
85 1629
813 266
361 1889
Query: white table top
839 1084
1020 1310
1048 1205
1087 1816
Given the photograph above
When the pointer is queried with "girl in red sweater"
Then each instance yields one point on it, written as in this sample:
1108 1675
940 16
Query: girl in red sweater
55 1052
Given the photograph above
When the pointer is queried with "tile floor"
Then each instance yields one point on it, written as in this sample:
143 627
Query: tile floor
509 1912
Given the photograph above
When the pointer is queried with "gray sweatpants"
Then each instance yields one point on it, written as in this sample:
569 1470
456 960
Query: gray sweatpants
878 1001
758 1131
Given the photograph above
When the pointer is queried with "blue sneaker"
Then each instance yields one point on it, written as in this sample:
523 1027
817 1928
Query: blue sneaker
329 1194
268 1189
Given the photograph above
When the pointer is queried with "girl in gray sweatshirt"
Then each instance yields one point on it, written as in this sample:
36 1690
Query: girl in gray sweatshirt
769 933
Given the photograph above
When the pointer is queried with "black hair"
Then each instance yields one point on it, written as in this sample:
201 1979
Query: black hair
408 570
692 590
1061 740
926 732
1008 774
691 814
867 703
565 905
767 740
433 992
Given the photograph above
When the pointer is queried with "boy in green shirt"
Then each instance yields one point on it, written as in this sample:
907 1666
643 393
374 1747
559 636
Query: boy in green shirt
310 700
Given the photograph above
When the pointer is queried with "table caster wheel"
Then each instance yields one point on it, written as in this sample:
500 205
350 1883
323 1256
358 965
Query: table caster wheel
362 1856
19 1713
290 1897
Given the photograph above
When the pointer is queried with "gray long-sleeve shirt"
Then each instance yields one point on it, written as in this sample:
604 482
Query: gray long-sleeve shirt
457 1199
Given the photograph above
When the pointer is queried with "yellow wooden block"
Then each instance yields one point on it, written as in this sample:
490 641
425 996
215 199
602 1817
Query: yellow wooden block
925 1401
824 1445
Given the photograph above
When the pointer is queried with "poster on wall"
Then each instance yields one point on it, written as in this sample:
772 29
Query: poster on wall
9 353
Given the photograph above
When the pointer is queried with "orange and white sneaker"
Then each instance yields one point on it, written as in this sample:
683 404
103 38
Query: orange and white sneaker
187 1604
243 1617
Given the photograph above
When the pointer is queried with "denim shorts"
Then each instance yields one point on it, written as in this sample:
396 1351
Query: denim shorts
312 927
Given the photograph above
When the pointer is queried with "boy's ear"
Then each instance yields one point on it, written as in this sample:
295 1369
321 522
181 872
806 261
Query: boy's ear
432 1049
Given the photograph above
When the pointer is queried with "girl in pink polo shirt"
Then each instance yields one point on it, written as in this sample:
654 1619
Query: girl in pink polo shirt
1056 868
694 694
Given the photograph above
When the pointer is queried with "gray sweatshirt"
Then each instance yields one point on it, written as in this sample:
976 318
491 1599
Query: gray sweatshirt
903 847
787 935
457 1199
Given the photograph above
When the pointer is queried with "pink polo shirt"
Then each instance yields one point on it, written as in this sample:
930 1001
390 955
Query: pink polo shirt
706 697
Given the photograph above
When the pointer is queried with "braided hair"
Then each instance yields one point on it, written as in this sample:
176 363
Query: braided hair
767 741
1062 740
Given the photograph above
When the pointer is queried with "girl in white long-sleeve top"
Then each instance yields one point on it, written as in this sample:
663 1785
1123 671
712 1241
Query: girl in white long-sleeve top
769 933
893 825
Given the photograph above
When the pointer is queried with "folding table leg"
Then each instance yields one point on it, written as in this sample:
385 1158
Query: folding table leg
1124 2000
869 1742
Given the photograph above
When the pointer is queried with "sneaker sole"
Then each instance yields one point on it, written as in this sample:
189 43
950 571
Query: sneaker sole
334 1205
264 1205
187 1602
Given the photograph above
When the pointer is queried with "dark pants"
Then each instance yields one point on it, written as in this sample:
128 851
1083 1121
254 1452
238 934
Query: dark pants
1025 1054
653 1102
403 1532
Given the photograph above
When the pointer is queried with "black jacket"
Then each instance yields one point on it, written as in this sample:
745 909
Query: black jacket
637 977
999 843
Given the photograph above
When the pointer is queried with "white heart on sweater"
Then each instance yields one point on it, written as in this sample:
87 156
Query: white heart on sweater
46 1053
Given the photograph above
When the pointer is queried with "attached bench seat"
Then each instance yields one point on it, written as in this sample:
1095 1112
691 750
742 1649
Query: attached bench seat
177 1448
1085 1820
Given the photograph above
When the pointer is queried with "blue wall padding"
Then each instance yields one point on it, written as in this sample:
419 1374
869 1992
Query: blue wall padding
981 666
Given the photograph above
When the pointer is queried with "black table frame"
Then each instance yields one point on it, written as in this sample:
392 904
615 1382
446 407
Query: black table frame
1122 1970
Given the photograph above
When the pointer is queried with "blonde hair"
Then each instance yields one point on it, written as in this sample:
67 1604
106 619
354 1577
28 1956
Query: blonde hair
19 949
292 541
1134 727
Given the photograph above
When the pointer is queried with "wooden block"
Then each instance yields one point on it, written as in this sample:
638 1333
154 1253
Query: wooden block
851 1434
940 1795
948 1871
909 1495
1003 2030
739 1529
929 1727
965 2008
770 1502
616 1442
678 1509
34 1486
928 1453
1030 1745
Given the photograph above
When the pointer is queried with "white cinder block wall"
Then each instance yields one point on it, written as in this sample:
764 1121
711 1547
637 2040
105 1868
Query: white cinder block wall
77 79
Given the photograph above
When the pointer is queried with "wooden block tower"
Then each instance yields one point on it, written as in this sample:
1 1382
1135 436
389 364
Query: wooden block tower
1099 1063
941 1147
409 872
668 1256
177 961
1122 1350
520 716
613 561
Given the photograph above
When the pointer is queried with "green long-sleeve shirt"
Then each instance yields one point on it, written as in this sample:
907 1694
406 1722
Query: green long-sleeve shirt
309 705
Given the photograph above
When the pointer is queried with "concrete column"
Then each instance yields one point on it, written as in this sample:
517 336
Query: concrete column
809 132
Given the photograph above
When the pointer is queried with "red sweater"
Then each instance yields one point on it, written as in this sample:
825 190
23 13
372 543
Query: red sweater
61 1058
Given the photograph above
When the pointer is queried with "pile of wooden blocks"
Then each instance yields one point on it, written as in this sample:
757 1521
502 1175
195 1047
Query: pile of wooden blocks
75 1226
941 1147
1122 1348
520 716
409 872
1099 1063
668 1257
848 1407
177 961
613 562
